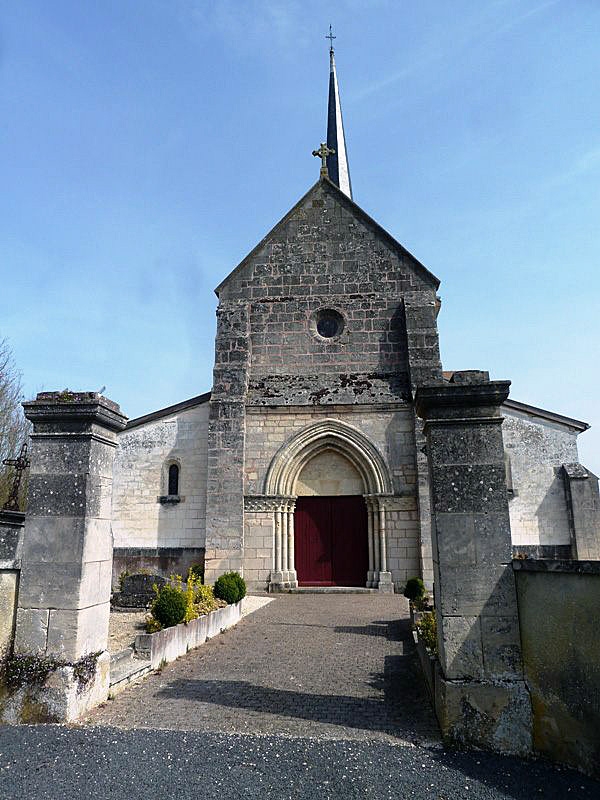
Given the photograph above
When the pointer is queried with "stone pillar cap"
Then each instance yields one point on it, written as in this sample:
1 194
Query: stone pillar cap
459 395
75 406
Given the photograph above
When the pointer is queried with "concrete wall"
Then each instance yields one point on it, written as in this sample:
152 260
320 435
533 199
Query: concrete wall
537 448
559 613
146 531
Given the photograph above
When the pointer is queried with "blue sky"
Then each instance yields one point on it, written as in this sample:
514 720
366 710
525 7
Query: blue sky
148 145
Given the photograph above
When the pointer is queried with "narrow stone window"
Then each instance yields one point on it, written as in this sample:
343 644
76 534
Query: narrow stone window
171 474
173 487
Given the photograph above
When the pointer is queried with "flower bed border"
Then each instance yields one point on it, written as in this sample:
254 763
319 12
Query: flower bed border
164 646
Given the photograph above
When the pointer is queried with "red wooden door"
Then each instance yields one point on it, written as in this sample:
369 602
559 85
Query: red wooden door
331 541
312 535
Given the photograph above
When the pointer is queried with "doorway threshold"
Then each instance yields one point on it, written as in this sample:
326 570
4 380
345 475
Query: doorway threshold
331 590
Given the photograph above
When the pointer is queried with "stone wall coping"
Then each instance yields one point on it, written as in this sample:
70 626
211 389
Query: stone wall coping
66 407
168 644
457 395
577 471
549 565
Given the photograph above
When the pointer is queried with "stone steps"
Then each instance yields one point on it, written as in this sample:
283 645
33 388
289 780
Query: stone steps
332 590
125 669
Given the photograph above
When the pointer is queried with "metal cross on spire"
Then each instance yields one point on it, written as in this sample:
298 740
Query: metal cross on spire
322 153
331 37
20 464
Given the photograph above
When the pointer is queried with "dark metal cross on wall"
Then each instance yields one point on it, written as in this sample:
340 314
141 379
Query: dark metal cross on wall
20 463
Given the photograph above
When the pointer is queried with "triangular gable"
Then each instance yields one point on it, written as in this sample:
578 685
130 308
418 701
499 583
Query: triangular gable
358 212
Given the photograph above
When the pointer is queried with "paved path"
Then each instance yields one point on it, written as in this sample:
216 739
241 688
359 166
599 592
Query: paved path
326 666
49 762
335 675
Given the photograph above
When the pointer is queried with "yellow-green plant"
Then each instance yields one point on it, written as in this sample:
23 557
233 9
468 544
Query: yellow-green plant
205 599
427 628
191 612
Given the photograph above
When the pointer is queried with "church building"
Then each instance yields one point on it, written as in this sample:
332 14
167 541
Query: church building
305 465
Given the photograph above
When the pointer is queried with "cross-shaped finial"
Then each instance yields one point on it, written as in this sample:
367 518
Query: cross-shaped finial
331 37
322 153
20 464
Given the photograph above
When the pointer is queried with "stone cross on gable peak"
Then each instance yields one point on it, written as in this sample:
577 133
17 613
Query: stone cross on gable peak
322 153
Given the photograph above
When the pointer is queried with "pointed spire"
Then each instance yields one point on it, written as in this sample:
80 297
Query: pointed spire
337 162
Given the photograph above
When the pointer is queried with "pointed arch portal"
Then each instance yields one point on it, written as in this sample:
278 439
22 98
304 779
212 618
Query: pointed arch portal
341 540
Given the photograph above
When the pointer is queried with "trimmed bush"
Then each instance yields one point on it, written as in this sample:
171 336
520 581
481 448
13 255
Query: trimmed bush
415 590
230 587
170 606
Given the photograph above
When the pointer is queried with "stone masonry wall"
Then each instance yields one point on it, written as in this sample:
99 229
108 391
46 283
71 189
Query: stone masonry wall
537 448
139 520
329 474
388 428
325 254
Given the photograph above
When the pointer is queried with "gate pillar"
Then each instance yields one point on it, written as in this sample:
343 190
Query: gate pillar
64 593
481 697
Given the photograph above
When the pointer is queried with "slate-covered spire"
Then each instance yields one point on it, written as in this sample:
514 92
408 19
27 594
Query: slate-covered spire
337 163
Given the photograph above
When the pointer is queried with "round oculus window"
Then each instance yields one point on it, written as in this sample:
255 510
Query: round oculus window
329 323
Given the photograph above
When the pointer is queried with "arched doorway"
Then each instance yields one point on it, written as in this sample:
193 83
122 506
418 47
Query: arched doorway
283 489
330 521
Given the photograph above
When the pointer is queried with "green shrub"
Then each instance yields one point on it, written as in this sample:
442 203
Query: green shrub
241 583
415 590
170 606
230 587
427 628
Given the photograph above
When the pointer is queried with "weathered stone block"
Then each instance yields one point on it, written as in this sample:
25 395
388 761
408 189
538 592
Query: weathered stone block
11 539
501 647
74 633
8 607
460 488
466 444
62 698
31 632
495 716
474 591
461 653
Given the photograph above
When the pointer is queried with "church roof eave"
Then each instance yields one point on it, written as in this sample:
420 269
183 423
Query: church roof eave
166 412
356 209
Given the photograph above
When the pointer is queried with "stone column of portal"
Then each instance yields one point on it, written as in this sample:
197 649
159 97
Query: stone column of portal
376 545
284 544
276 580
384 583
371 571
480 696
65 582
292 576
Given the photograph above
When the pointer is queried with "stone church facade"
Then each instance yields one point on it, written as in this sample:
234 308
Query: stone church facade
306 465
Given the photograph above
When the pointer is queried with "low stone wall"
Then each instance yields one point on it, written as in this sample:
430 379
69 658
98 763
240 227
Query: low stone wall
171 643
11 545
165 561
559 614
